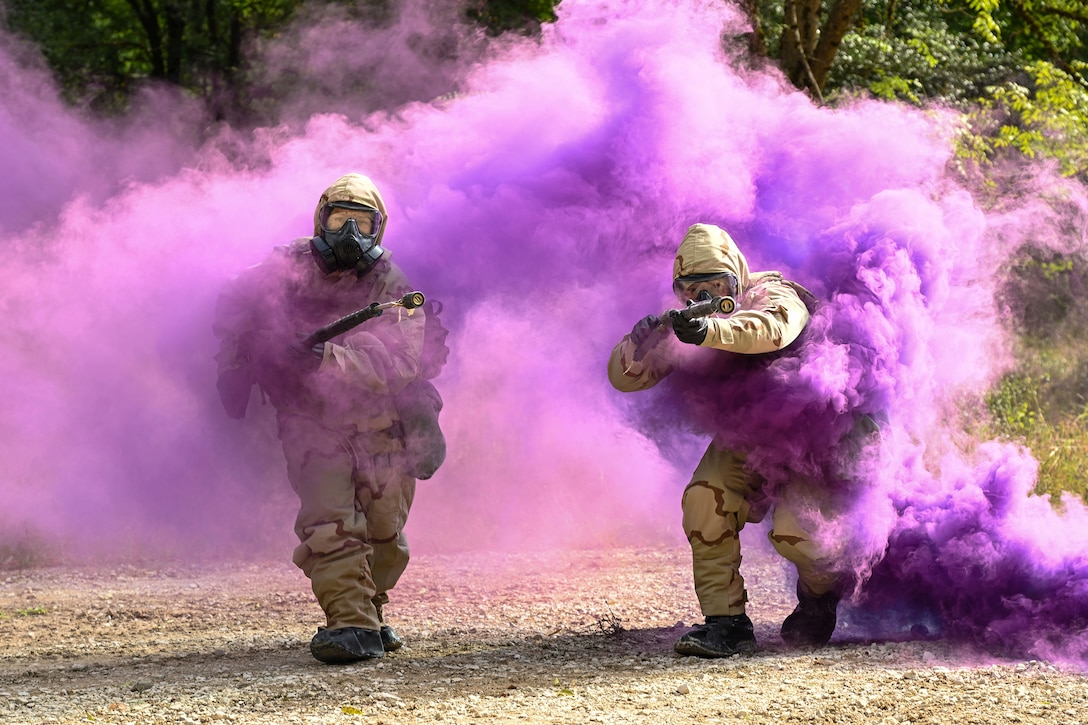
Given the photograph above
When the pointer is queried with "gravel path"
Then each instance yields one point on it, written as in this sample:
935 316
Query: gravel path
574 637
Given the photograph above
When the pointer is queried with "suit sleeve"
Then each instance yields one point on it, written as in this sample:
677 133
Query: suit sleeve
231 326
774 321
628 375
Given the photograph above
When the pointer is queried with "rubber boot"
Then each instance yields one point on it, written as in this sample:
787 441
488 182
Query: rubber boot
347 644
722 636
391 641
813 620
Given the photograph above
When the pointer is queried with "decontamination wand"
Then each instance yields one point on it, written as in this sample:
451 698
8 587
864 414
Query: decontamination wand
409 302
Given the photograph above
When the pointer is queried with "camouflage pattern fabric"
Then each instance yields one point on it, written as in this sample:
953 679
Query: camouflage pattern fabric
354 501
720 499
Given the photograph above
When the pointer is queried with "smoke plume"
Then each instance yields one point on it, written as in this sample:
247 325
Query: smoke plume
537 188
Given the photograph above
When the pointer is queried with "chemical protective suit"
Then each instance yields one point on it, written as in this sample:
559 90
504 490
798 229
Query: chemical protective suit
342 407
770 317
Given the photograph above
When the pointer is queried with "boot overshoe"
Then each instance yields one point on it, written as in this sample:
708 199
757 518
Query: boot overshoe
813 620
347 644
391 641
722 636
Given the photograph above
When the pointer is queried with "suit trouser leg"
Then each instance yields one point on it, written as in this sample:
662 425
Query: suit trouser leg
386 494
334 550
794 522
715 509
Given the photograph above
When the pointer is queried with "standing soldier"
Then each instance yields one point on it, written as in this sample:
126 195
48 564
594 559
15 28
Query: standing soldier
355 415
770 315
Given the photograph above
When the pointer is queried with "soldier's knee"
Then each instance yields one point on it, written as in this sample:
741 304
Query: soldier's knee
710 517
794 546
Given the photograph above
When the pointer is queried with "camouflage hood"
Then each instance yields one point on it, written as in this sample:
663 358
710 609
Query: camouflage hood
356 188
707 249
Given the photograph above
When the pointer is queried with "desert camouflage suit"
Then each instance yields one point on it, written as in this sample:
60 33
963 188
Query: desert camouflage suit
723 494
337 421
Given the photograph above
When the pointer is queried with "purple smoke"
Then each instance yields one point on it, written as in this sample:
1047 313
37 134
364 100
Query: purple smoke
540 199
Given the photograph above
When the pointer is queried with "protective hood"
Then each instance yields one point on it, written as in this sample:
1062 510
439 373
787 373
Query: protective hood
357 188
707 249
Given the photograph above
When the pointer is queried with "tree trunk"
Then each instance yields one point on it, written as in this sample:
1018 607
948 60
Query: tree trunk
799 37
234 53
175 39
838 23
807 50
757 46
145 14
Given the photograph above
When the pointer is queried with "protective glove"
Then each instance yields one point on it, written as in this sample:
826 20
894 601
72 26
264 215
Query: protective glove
234 385
643 329
307 358
693 331
276 361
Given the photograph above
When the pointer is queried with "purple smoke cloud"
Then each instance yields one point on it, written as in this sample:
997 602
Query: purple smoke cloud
537 189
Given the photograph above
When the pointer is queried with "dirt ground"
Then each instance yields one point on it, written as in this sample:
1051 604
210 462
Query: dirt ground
574 637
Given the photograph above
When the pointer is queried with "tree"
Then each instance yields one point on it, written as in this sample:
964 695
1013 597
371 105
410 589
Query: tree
1016 68
1043 109
99 48
498 16
810 39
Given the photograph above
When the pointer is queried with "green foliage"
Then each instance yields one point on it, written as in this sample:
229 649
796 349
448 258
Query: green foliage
1040 28
524 16
1014 405
1045 118
917 54
984 24
1042 110
1062 452
1017 69
1043 293
1060 447
1043 404
100 49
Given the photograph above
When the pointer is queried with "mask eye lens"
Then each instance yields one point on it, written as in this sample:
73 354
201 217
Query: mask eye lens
719 286
325 215
335 216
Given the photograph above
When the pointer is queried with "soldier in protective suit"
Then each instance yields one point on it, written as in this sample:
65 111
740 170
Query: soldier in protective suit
355 415
723 494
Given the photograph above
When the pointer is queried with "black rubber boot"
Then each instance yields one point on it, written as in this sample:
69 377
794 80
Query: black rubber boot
347 644
813 620
722 636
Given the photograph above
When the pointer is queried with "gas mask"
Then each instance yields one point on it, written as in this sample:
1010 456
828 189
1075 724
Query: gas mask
346 247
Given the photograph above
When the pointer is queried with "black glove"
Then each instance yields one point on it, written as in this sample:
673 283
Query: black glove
276 361
234 385
643 329
693 331
307 358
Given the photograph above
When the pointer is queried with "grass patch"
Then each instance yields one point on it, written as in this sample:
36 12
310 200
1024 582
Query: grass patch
1042 406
